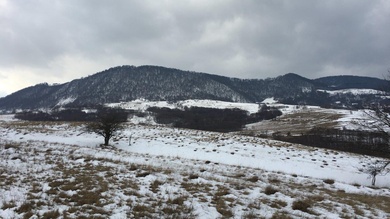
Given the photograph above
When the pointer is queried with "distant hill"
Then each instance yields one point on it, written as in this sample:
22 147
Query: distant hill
348 82
127 83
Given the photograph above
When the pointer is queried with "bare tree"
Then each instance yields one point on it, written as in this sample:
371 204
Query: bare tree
108 123
376 168
379 120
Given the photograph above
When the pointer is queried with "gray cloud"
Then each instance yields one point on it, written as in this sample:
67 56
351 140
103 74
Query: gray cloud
61 40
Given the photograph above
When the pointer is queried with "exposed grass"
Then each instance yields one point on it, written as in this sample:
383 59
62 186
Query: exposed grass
270 190
295 123
51 214
193 176
7 205
11 145
329 181
154 186
220 202
278 204
281 215
301 205
253 179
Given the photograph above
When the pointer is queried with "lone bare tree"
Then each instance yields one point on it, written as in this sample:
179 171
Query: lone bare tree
107 124
379 120
376 168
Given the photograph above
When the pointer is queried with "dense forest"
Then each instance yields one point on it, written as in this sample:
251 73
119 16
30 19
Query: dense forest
356 141
221 120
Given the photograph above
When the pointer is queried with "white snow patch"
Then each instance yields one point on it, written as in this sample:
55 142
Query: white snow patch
270 101
65 101
354 91
143 105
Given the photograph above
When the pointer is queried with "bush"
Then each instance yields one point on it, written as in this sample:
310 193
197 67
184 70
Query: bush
301 205
329 181
270 190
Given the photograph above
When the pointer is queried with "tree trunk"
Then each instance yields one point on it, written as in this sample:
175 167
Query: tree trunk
106 140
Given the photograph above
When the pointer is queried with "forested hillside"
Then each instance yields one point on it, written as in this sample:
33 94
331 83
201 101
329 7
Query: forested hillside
127 83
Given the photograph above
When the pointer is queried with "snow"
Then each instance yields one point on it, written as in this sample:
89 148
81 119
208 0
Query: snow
269 100
214 157
143 105
65 101
354 91
249 152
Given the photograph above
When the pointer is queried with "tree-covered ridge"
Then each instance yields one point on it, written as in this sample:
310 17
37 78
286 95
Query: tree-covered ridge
127 83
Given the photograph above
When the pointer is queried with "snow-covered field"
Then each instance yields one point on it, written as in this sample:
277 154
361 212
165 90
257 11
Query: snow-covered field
355 91
142 105
56 170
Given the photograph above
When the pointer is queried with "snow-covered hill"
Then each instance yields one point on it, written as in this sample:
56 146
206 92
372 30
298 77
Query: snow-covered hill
57 169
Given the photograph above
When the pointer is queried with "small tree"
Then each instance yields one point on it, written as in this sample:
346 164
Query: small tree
107 124
375 169
379 119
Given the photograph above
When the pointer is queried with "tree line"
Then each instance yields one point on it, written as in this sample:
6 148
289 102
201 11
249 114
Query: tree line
71 115
355 141
211 119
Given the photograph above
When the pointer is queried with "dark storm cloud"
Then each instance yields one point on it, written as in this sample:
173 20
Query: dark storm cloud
62 40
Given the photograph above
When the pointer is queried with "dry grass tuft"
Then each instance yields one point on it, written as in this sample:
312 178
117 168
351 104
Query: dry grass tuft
51 214
329 181
301 205
253 179
154 186
270 190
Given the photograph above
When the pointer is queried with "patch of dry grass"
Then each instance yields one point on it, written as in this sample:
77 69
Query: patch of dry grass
270 190
301 205
296 123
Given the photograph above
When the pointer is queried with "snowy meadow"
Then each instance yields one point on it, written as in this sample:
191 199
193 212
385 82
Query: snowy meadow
57 170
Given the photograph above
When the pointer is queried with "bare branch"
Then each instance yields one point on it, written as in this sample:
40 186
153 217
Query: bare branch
108 123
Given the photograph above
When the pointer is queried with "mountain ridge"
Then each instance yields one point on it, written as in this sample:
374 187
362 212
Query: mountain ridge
156 83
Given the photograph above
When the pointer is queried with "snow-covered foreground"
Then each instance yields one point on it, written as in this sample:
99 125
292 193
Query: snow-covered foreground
50 170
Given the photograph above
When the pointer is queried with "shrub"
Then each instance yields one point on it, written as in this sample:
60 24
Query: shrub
154 186
193 176
142 174
329 181
26 207
301 205
253 179
51 214
270 190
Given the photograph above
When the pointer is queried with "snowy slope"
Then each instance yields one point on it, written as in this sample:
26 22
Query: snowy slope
175 159
143 105
354 91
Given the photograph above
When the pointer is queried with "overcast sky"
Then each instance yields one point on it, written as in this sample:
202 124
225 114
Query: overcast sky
56 41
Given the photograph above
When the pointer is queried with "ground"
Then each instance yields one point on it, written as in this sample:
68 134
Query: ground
56 170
